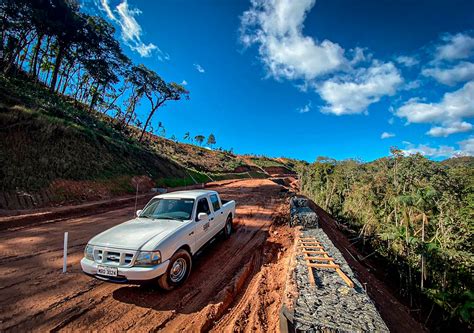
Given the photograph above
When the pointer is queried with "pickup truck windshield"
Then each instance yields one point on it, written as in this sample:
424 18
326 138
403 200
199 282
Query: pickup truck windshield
169 209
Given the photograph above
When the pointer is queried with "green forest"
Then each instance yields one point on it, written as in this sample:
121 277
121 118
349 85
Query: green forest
76 54
416 213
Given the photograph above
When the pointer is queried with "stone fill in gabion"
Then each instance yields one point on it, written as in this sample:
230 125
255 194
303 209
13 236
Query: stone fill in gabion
301 214
332 305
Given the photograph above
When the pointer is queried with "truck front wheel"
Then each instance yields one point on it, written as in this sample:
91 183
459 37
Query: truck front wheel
178 270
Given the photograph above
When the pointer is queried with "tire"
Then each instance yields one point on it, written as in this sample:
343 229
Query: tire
228 227
177 272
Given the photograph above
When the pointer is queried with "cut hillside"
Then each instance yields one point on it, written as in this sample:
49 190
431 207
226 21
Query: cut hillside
53 146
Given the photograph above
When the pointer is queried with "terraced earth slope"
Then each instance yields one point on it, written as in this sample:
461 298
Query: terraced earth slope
56 151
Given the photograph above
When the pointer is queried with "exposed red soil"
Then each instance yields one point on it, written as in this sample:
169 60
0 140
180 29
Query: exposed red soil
235 284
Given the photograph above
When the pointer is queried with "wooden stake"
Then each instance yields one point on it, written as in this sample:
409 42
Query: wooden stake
323 265
319 258
314 252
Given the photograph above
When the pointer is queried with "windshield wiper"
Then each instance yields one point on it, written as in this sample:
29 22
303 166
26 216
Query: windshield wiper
169 218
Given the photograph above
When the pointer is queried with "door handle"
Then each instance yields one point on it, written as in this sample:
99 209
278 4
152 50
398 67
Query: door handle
211 219
191 233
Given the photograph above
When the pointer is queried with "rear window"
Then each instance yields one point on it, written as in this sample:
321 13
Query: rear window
215 202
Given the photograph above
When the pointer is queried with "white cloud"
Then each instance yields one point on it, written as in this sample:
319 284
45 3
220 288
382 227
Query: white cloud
305 108
277 28
462 72
184 83
441 151
352 94
448 113
106 7
387 135
407 61
130 29
466 148
455 47
412 85
359 55
199 68
450 128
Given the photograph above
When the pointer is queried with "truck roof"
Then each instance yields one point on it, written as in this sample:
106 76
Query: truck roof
191 194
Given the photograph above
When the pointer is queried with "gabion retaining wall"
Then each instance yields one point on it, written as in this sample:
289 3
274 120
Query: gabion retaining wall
330 306
301 214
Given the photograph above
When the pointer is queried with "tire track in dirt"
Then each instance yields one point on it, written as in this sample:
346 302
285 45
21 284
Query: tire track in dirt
257 307
151 321
35 296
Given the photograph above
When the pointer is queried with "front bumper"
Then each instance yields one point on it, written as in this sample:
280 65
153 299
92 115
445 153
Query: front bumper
126 274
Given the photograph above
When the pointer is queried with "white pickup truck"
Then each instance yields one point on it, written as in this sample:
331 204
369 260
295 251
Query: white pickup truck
159 243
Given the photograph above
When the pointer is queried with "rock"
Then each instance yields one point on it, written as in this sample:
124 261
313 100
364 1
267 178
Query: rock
332 305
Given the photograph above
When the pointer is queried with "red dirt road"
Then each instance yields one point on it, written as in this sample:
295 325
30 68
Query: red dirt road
235 284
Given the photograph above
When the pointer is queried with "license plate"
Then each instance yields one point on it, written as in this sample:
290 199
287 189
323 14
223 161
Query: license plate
108 271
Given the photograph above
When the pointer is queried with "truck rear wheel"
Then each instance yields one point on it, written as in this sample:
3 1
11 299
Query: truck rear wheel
178 270
228 227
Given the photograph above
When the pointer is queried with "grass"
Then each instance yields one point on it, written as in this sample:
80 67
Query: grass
46 137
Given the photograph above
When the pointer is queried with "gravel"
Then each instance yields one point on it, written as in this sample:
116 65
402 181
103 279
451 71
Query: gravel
301 214
331 305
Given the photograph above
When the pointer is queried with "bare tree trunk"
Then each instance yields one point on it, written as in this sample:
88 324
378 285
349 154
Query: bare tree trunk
34 59
147 122
113 101
21 42
57 64
68 77
45 53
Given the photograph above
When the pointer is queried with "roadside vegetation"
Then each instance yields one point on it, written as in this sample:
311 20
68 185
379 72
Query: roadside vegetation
416 214
68 105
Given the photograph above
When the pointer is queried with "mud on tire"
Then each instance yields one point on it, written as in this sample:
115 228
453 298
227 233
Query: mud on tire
178 270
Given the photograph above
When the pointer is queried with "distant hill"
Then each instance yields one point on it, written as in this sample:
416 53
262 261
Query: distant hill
52 146
459 162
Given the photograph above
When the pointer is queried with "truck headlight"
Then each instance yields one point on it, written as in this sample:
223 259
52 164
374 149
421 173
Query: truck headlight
148 258
89 252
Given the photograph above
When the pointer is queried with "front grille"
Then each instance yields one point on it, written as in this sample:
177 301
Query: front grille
113 257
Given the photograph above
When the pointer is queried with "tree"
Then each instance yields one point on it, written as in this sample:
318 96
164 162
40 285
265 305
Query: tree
412 212
187 136
211 140
156 90
199 139
161 129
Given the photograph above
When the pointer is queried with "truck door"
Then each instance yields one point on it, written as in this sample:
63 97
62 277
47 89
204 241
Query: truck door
219 217
203 229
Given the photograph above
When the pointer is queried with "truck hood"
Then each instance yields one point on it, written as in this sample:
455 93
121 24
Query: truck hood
136 233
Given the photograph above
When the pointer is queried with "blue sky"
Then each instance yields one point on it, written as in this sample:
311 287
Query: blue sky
345 79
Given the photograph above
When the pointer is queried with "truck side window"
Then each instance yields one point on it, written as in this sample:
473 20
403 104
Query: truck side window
215 202
202 207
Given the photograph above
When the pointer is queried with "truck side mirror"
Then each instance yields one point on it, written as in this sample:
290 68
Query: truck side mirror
139 212
202 216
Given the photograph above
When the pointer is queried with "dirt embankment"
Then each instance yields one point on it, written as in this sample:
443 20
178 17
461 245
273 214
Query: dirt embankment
235 284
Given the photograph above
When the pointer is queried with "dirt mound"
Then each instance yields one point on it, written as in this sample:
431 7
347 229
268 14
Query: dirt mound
278 170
